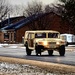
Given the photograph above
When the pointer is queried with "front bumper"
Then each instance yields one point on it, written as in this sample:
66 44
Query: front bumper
49 46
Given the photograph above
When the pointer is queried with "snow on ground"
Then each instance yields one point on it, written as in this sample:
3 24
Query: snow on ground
71 45
68 48
24 69
2 45
12 45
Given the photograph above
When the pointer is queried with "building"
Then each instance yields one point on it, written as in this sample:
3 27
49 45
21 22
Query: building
8 35
49 21
11 20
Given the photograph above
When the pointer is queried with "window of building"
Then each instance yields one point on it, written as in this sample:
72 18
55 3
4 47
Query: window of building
6 36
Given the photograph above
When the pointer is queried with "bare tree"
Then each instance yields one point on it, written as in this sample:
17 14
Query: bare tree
33 8
3 10
49 8
36 9
17 10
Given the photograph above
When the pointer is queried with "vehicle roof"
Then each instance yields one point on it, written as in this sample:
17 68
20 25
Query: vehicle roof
37 31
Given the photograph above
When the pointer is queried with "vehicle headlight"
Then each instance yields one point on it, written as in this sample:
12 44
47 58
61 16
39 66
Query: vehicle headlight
45 43
58 43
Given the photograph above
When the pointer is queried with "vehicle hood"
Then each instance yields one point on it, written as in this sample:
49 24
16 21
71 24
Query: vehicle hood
49 40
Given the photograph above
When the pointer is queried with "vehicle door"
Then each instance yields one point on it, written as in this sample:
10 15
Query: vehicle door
31 39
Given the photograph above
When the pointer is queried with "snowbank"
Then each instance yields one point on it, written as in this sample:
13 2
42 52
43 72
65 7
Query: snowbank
12 45
3 45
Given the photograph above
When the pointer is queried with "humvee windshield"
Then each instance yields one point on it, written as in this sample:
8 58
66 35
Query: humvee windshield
52 35
40 35
43 35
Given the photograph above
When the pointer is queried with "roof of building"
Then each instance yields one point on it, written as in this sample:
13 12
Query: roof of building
23 22
12 20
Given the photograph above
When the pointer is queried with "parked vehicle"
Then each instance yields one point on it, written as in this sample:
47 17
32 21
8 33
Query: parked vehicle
69 38
44 40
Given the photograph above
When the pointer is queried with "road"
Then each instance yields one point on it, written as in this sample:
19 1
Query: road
69 57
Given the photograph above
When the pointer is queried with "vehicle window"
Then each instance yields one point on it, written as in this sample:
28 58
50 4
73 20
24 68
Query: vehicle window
52 35
40 35
31 36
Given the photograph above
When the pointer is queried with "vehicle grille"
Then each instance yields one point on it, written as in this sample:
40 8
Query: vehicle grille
52 42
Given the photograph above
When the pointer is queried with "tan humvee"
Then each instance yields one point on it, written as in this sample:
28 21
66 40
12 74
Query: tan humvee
42 40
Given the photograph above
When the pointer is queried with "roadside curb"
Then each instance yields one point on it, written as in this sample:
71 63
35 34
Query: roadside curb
45 65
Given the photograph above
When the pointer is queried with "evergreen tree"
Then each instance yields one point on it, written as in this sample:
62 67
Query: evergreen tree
68 12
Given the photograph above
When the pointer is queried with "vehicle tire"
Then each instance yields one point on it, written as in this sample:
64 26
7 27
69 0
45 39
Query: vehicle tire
28 51
38 50
50 52
62 50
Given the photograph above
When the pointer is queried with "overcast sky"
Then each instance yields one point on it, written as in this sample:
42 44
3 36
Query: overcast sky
26 1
